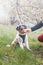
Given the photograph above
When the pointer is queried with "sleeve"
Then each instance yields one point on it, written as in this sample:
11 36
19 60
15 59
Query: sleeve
37 26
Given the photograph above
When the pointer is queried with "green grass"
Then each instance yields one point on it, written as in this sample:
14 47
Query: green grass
15 55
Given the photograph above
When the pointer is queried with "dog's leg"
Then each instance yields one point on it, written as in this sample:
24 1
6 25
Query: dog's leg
21 45
26 43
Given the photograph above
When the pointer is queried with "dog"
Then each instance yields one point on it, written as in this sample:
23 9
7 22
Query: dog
21 37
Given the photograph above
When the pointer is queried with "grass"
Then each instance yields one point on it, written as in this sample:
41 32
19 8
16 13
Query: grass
15 55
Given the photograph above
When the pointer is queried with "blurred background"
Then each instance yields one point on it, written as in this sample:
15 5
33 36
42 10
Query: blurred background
20 11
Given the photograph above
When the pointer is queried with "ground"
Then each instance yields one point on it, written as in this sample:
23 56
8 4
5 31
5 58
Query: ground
15 55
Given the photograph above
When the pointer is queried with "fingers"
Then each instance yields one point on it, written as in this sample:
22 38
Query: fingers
27 30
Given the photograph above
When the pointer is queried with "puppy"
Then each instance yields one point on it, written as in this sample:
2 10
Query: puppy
21 37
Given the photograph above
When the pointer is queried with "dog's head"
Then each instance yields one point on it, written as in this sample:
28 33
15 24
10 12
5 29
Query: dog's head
21 27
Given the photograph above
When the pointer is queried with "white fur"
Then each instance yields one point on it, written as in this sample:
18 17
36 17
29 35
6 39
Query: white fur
19 40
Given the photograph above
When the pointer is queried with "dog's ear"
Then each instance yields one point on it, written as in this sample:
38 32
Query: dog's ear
17 28
25 27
